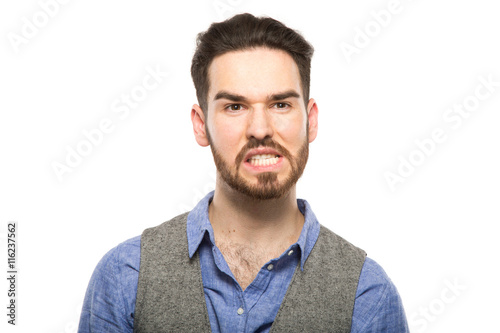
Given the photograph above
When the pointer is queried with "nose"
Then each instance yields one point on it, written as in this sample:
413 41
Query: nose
260 124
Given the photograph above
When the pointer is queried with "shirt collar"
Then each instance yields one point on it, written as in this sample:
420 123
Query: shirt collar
198 225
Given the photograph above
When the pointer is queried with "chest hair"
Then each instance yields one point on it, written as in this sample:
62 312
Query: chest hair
245 261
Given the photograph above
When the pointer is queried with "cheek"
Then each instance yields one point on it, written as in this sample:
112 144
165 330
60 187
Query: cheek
226 135
291 128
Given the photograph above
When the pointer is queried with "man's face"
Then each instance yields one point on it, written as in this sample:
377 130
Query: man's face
257 124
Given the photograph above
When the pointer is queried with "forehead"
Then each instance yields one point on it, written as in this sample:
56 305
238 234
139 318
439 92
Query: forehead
253 73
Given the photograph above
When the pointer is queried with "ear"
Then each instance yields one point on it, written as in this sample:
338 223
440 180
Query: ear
198 120
312 114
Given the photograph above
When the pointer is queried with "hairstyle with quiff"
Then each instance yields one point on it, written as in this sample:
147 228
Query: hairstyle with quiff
245 31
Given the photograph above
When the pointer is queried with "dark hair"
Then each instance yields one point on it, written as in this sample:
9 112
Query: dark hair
245 31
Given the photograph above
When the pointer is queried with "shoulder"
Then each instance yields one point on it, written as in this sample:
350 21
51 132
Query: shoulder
175 224
378 306
127 253
120 264
340 250
331 238
373 275
110 295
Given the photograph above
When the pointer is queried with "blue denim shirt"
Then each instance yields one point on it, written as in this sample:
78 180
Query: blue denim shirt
110 299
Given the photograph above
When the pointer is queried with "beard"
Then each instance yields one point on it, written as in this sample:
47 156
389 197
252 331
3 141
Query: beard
268 185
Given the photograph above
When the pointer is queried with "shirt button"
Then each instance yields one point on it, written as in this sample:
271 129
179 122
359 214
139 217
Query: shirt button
270 267
240 311
290 252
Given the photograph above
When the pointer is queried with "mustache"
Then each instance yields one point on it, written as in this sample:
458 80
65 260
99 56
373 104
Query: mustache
267 142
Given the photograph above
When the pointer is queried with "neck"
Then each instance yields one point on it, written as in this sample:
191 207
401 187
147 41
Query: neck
236 217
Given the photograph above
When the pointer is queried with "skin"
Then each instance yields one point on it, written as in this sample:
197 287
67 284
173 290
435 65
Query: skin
250 231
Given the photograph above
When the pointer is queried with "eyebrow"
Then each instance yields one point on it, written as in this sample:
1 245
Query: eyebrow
239 98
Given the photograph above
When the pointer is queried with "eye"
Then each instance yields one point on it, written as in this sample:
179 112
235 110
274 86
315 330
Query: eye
281 105
234 107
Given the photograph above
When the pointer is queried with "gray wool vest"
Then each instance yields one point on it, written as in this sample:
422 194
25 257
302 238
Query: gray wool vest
170 295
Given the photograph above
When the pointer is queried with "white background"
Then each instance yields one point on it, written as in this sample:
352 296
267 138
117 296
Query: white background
436 228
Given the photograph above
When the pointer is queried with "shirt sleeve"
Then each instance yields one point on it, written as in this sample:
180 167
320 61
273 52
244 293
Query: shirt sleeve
378 307
109 302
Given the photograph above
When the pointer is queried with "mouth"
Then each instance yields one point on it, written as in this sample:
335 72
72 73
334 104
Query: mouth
263 159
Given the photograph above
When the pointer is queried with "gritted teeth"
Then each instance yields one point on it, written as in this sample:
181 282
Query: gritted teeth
263 156
264 159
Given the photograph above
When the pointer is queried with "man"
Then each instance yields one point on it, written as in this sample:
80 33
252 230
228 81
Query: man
250 257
